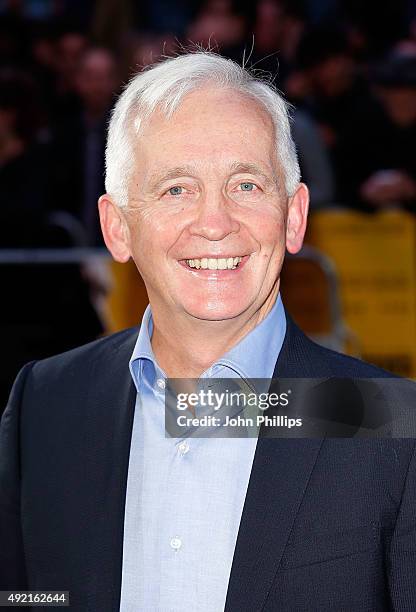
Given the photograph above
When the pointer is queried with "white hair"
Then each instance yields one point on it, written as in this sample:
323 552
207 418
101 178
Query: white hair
163 87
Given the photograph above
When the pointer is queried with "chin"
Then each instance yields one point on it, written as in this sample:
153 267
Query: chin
215 311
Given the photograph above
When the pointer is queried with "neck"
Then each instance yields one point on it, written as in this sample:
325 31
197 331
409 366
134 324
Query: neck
185 347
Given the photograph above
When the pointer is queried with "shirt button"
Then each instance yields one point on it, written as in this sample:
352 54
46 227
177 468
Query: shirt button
176 543
183 448
161 383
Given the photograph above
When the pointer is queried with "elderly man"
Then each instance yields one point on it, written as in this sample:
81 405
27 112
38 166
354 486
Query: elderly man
204 193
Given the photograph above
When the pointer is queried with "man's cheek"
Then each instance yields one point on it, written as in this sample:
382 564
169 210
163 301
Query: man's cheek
271 234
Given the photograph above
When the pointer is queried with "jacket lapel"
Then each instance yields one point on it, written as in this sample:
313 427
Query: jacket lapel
279 478
111 405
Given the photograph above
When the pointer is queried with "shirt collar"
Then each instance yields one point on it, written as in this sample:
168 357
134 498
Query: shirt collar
256 354
264 342
143 357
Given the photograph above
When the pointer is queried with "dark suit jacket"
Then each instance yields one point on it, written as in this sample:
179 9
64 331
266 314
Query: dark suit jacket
328 524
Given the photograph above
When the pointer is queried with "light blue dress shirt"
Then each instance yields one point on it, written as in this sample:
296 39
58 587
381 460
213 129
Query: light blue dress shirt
185 497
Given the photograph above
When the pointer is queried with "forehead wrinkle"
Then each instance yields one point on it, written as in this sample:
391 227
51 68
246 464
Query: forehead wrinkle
235 167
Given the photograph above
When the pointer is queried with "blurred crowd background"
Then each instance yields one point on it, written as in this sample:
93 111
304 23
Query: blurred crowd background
348 66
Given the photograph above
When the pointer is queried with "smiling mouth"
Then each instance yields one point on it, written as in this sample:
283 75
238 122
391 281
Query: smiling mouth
214 263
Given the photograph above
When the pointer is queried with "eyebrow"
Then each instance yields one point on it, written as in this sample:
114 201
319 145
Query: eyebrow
173 173
236 168
249 168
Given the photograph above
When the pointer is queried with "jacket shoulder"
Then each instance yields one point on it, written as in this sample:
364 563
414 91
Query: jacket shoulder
311 359
345 365
77 359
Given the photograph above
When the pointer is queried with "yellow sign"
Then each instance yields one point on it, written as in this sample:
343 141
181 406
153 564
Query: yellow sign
375 259
127 299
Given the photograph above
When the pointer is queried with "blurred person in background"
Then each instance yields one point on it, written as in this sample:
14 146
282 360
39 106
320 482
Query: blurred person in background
376 164
314 161
222 25
78 142
35 297
328 84
278 28
70 46
379 25
43 61
23 170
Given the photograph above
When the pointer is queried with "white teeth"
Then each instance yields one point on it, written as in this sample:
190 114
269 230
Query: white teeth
221 263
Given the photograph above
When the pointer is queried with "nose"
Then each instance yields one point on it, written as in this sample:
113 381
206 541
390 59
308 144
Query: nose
214 219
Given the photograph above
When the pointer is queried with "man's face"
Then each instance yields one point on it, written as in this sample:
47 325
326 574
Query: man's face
96 80
207 208
400 104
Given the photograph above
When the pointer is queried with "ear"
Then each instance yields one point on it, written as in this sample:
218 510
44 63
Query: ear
297 218
114 228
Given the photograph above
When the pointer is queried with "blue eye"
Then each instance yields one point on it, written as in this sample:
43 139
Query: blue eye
247 186
176 190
